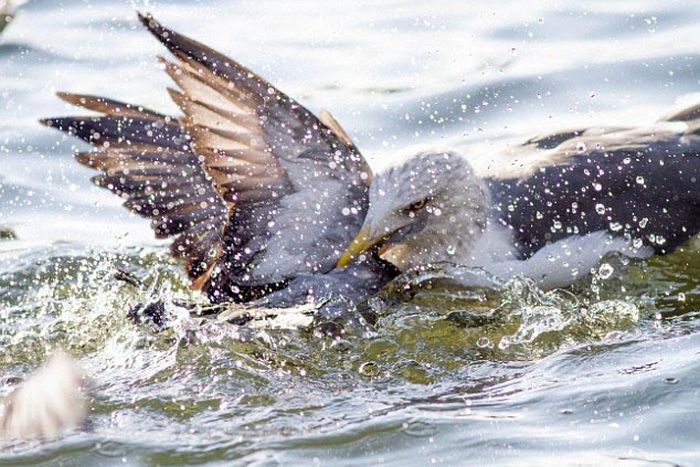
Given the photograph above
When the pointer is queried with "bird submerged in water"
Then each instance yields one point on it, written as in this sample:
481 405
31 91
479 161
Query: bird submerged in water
269 203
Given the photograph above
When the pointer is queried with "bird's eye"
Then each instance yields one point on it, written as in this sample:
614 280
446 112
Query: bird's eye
418 205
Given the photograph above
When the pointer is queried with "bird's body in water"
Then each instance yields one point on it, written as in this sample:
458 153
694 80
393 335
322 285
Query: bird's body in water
268 203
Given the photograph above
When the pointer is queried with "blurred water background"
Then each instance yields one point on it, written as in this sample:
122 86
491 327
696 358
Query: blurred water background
604 372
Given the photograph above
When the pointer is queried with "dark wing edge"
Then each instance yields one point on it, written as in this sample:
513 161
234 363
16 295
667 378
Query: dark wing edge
145 157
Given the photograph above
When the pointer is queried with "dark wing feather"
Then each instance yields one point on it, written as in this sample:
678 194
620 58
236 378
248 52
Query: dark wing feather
145 157
255 188
641 183
295 188
108 106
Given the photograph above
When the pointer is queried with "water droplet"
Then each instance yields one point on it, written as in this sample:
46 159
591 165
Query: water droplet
605 271
369 369
581 147
671 380
483 342
640 180
597 186
600 209
615 226
681 297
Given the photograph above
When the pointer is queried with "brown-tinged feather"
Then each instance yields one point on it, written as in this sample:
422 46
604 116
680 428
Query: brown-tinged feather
219 158
329 120
108 106
200 113
222 140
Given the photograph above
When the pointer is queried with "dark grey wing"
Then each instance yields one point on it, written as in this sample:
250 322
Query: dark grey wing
255 187
296 192
145 157
640 183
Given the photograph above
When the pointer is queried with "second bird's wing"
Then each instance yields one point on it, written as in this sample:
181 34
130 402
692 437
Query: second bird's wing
627 181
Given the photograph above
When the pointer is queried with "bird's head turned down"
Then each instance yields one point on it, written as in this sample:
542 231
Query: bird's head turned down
428 208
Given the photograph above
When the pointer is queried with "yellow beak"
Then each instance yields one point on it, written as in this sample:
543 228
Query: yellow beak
361 243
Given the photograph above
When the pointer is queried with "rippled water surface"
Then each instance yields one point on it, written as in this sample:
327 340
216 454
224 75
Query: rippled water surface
603 372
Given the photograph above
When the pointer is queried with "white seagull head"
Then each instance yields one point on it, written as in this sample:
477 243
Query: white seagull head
425 209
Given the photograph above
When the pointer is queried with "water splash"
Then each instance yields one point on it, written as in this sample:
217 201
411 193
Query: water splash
555 318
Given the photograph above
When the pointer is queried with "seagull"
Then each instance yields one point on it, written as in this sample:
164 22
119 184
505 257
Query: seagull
269 204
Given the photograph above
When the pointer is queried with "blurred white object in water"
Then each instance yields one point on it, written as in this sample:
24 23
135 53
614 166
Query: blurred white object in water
47 404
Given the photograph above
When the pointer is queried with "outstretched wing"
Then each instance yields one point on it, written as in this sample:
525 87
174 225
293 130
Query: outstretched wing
285 192
145 157
627 181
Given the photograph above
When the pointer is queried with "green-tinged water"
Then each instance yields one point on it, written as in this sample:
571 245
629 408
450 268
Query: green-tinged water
518 374
604 372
